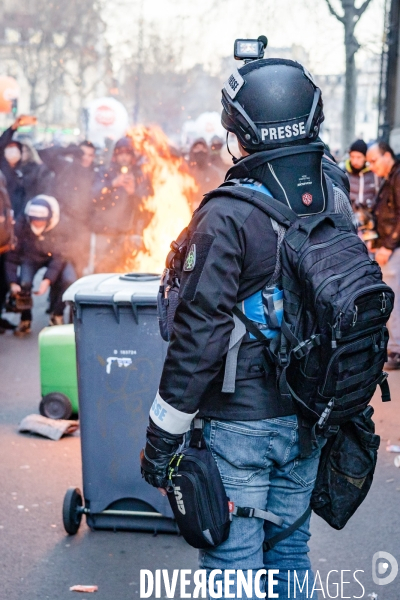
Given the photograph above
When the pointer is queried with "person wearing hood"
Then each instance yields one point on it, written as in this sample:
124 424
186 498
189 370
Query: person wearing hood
364 184
206 175
37 247
216 146
74 172
37 177
118 217
25 174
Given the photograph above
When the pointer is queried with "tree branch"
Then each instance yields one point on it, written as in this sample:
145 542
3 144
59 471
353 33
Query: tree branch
360 11
334 13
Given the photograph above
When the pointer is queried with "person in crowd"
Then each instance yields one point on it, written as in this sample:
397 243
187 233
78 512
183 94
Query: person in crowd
364 187
364 183
118 216
232 258
6 243
37 177
384 163
25 174
74 172
215 154
206 175
37 247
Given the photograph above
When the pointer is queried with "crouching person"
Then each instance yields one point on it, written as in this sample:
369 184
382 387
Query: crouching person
37 247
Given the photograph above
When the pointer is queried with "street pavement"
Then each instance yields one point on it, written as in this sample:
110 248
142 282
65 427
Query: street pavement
39 561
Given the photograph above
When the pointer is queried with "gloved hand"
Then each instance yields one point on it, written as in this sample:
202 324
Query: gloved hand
156 455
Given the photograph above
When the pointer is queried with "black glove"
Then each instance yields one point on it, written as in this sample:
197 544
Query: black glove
155 457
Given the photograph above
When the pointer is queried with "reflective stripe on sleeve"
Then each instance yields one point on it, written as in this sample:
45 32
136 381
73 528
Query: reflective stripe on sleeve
169 418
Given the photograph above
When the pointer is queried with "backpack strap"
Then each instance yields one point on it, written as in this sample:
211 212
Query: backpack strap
250 325
272 542
196 437
248 513
273 208
237 335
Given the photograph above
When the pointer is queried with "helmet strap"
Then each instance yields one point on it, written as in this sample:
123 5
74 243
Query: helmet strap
316 99
234 159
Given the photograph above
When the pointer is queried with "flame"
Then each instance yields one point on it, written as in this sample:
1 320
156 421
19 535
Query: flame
173 189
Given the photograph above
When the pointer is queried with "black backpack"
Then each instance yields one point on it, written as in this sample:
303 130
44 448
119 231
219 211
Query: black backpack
333 339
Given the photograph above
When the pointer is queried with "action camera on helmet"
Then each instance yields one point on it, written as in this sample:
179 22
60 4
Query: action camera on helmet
250 49
270 103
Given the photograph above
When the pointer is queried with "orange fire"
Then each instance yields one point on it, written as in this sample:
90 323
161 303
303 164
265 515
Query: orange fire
173 188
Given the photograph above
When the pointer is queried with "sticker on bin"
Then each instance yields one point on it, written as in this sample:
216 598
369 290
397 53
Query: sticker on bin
121 362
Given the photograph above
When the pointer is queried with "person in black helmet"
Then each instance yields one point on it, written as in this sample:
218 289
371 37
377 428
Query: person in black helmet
275 109
37 246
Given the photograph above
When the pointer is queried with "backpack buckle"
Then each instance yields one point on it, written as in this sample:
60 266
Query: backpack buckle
304 347
282 359
326 414
299 351
244 511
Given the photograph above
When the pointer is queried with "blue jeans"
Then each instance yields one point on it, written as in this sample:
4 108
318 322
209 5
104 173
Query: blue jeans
260 466
391 276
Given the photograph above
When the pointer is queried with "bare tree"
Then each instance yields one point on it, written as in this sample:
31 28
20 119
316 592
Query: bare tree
350 17
60 50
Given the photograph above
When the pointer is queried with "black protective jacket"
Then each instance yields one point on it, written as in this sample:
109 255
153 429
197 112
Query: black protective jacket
387 210
235 258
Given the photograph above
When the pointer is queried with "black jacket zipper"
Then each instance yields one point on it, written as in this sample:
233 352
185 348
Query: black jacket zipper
367 290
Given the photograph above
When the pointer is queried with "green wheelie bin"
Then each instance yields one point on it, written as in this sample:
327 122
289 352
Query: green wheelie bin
58 376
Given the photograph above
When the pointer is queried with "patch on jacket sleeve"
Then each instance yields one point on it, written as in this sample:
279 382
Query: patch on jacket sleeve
190 261
200 246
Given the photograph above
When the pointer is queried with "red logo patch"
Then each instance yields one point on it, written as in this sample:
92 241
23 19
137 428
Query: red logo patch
307 199
231 506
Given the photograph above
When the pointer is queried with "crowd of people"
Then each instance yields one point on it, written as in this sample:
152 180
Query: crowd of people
74 215
374 175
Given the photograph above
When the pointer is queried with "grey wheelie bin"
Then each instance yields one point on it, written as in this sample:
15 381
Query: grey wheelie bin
120 355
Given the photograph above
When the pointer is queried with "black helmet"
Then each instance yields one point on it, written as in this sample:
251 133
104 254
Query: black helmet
270 103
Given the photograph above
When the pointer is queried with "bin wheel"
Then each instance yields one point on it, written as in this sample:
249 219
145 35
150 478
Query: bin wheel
71 515
55 406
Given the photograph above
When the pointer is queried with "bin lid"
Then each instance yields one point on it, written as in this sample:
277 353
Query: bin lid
114 288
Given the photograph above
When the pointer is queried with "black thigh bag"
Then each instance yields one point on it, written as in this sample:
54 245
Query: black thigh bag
197 495
346 470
